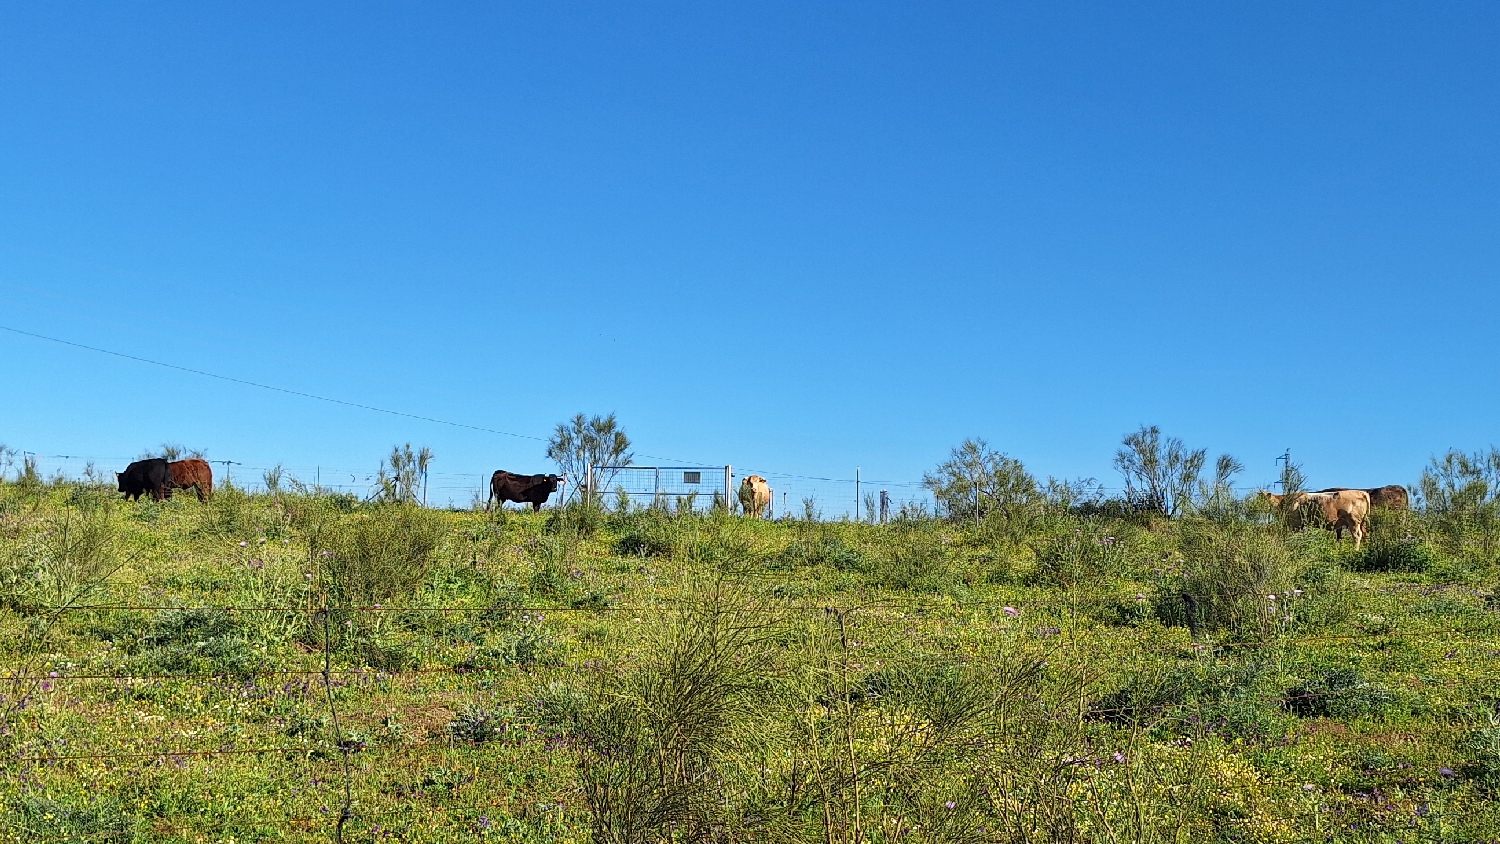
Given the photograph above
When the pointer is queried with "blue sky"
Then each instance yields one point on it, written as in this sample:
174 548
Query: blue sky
797 238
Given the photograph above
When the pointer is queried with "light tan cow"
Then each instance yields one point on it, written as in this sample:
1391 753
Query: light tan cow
1389 497
755 495
1345 508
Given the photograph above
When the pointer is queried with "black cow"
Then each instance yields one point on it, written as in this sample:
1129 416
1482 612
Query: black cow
145 476
525 489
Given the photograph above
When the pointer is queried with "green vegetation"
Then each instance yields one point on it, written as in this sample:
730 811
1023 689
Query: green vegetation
1044 666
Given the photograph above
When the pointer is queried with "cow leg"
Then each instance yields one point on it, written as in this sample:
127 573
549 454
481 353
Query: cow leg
536 506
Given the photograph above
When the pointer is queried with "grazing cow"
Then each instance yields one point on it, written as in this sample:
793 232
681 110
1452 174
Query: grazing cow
1389 497
145 476
194 474
1340 510
755 495
526 489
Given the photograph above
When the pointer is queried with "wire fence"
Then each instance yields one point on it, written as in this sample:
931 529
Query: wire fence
795 494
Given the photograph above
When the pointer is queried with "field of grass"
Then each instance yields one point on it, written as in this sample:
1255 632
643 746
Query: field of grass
302 667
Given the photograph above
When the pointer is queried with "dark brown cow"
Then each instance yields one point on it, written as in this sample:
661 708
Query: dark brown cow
194 474
143 476
525 489
1389 497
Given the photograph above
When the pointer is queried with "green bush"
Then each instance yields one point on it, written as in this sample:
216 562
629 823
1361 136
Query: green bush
916 558
376 555
1481 748
479 725
1091 552
560 707
1407 554
199 639
59 558
648 533
1228 573
1340 692
821 548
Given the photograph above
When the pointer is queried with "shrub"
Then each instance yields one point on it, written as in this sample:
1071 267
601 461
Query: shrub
1340 692
60 559
1482 749
1090 553
915 558
233 513
560 706
1407 554
195 639
478 725
581 519
657 752
976 480
531 645
820 548
649 533
1228 571
374 556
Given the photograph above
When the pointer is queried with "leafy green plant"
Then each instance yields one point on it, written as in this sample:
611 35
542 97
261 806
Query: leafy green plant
61 559
1230 577
976 480
479 725
583 442
377 555
1090 553
1340 692
402 479
198 639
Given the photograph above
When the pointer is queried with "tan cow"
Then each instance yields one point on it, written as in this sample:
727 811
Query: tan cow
1345 508
755 496
1389 497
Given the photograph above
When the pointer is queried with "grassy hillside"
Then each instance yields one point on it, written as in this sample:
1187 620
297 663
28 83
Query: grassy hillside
245 669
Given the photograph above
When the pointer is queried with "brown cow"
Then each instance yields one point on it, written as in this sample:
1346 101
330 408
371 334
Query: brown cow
1389 497
1345 508
194 474
525 489
755 496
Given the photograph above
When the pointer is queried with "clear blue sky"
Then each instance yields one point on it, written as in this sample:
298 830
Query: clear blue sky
798 238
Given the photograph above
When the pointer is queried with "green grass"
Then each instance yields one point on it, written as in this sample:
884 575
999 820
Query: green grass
649 677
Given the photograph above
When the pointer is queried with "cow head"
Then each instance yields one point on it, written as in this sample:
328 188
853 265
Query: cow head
120 481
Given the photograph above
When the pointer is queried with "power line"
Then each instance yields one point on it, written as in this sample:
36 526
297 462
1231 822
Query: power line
259 385
290 392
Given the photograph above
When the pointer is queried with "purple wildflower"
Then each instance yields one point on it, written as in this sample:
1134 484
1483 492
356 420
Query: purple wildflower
1012 612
